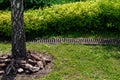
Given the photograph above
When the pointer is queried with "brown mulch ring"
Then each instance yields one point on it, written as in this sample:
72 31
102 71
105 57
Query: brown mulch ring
37 65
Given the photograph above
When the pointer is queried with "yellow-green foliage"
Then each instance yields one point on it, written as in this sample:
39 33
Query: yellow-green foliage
5 23
90 15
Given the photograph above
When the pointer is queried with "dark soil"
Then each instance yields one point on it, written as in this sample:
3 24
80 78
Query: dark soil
35 66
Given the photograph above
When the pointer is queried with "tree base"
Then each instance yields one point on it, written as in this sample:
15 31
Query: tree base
36 65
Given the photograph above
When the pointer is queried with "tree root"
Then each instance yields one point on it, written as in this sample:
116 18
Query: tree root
34 63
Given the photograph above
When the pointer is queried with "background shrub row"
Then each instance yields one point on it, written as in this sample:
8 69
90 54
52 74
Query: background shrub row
72 17
4 4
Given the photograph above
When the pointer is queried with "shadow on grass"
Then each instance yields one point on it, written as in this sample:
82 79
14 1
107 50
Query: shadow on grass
69 34
85 34
110 48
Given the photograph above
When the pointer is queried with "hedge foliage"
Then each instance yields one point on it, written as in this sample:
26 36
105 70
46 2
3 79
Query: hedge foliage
4 4
79 16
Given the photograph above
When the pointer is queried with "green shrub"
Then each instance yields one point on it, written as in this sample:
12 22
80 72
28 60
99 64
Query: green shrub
110 16
58 19
5 23
4 4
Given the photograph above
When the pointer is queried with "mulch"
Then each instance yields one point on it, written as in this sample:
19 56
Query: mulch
37 65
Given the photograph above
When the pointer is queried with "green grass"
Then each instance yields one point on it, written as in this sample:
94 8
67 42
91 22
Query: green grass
79 62
88 34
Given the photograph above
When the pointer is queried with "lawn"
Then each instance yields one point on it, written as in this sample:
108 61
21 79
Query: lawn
78 62
87 34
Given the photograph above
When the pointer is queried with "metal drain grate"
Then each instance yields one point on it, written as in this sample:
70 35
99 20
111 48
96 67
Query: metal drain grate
78 41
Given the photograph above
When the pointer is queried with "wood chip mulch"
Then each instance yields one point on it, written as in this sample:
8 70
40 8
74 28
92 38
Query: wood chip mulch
37 65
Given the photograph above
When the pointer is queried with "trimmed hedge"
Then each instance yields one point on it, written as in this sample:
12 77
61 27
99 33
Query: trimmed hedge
4 4
79 16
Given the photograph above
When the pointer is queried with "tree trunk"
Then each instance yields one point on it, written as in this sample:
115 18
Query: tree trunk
18 39
18 34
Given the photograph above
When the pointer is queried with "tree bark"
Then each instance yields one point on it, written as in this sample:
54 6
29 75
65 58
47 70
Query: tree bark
18 34
18 39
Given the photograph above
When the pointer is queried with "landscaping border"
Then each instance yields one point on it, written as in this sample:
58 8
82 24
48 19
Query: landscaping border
101 41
